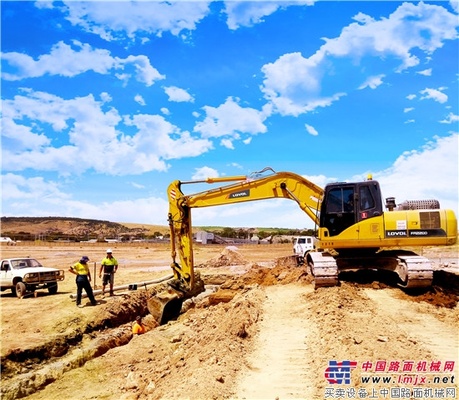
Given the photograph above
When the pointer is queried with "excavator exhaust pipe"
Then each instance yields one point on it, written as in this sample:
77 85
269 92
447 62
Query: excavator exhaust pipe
165 306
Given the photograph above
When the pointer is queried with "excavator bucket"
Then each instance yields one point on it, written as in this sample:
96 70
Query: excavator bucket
165 306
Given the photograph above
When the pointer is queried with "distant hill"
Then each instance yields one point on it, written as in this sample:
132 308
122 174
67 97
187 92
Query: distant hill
63 228
80 229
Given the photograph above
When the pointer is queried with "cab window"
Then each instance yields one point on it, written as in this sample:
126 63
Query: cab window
366 199
341 200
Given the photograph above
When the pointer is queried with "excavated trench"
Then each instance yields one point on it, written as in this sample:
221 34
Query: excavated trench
25 371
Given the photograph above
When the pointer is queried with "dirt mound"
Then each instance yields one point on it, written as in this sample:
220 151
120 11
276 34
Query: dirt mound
444 291
199 355
229 256
283 273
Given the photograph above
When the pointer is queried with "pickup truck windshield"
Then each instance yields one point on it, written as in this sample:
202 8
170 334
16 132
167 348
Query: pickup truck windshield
25 263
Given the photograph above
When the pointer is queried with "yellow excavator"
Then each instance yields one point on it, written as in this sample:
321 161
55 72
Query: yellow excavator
353 230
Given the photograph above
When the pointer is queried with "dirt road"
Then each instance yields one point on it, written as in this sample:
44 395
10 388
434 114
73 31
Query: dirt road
278 365
277 338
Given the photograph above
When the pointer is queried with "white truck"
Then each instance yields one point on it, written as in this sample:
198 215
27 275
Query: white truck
7 240
25 275
302 245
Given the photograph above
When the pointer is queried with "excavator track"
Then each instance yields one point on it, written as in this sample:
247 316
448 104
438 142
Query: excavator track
324 269
415 271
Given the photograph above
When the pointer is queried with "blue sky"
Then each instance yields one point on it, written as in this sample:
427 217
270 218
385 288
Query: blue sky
105 103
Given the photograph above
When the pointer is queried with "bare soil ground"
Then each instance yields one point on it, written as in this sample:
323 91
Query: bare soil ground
265 334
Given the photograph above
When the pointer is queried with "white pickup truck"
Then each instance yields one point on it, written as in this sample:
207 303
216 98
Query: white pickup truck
302 245
25 275
7 240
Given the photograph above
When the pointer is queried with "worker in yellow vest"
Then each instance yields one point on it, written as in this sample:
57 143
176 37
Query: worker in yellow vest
83 280
108 266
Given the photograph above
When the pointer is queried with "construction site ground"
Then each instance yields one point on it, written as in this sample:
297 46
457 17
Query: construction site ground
260 331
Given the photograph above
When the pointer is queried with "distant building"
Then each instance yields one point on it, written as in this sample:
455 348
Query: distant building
204 237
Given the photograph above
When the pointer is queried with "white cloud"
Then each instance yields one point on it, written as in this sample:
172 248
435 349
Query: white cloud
411 96
295 84
249 13
139 99
20 137
137 185
62 60
228 143
320 180
311 130
433 94
88 127
204 173
43 4
19 188
408 109
130 19
178 95
426 72
162 140
70 61
105 97
235 165
143 70
230 119
431 172
373 82
38 197
451 118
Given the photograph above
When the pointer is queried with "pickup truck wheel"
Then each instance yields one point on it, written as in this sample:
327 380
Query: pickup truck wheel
52 288
20 289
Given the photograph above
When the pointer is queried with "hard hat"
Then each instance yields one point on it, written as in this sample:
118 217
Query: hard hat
109 251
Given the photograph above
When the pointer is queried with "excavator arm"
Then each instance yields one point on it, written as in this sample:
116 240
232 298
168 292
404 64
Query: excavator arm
285 185
266 184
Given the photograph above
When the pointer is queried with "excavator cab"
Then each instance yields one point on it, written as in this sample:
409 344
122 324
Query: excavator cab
345 204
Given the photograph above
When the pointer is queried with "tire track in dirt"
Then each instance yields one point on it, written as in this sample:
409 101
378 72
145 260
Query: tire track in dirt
278 364
437 336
